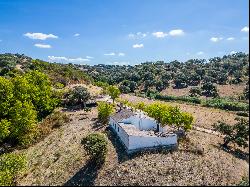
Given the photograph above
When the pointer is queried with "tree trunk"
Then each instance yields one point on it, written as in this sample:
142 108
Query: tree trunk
225 144
158 127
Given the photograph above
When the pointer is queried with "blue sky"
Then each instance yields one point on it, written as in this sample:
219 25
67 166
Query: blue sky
123 31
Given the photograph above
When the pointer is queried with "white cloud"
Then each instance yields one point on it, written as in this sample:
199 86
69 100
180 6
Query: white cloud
215 39
39 36
232 52
245 29
65 59
159 34
200 53
89 57
77 34
43 46
230 38
121 54
138 45
137 35
121 63
176 32
110 54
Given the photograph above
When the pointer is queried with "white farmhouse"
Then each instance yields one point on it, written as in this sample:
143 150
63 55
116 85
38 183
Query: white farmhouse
136 131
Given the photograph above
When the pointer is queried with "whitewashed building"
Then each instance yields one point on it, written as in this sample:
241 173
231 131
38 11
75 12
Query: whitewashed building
136 131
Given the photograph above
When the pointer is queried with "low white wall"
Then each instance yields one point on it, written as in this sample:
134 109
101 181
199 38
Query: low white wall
138 142
121 133
143 122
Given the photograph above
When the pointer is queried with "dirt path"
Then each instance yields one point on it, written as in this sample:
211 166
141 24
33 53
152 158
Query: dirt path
204 117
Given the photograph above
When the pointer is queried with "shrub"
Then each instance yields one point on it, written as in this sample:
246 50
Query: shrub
41 93
195 92
11 164
78 95
104 111
23 122
4 129
113 92
209 90
59 85
238 133
179 98
54 120
24 99
6 96
96 146
245 114
169 115
226 105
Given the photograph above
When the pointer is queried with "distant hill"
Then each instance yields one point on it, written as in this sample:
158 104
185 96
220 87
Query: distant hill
11 64
229 69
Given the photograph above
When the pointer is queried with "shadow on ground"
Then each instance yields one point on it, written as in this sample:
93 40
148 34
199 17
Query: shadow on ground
235 152
119 148
85 176
121 151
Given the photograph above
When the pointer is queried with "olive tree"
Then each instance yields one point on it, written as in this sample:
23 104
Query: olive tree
79 95
238 133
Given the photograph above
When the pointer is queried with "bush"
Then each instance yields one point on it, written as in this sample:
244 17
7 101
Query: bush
54 120
23 122
113 92
4 129
209 90
104 111
59 85
237 134
195 92
244 114
226 105
78 95
96 146
11 164
24 99
179 98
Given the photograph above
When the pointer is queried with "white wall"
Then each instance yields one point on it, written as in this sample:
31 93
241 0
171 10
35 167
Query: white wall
121 133
142 122
138 142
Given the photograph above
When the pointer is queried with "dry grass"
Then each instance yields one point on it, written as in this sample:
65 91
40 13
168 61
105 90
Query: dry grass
55 159
233 90
60 158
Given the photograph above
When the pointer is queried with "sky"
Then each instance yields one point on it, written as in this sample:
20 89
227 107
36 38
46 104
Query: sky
123 32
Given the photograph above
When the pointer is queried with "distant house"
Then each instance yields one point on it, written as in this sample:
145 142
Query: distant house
136 131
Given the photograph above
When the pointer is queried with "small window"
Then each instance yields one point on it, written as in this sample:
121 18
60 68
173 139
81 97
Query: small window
115 126
118 129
